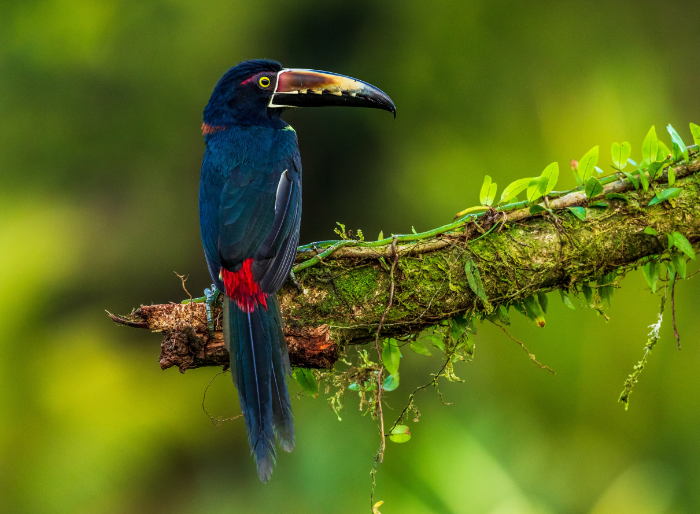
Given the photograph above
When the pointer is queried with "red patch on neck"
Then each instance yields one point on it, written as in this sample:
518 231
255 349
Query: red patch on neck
242 289
210 129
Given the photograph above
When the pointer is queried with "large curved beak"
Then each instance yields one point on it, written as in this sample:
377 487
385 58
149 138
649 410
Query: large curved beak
312 88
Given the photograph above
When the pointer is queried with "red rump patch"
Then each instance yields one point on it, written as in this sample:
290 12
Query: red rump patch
242 289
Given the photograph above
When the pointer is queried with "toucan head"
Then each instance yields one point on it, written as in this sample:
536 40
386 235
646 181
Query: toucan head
258 90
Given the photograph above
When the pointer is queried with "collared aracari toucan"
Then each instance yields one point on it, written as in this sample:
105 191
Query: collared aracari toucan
250 210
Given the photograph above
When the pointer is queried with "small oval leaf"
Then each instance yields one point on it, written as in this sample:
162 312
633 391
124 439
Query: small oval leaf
620 154
391 382
695 130
514 189
307 380
680 242
666 194
579 212
400 434
593 187
551 172
650 147
485 187
678 141
536 188
586 166
418 348
391 355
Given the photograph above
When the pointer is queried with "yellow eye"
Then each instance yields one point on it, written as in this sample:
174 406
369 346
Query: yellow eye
264 82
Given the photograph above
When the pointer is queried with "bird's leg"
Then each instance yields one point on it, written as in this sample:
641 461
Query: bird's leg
212 297
294 280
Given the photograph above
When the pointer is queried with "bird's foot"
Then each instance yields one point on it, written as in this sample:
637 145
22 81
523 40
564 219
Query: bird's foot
212 298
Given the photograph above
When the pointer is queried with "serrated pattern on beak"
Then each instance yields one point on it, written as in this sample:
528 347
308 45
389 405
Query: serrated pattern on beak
309 88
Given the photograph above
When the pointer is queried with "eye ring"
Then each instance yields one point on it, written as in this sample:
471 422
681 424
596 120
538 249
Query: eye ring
264 82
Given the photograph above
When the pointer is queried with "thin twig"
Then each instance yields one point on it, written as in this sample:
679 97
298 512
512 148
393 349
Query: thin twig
391 297
532 357
215 421
381 415
184 278
673 310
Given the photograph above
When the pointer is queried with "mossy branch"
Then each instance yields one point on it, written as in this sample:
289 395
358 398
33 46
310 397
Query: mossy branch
344 286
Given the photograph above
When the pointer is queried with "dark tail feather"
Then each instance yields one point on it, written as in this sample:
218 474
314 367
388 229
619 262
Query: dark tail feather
281 407
258 367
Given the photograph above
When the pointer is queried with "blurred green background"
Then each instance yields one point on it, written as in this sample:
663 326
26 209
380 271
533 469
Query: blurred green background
100 148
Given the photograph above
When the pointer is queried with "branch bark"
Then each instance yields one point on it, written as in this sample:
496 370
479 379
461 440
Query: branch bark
344 297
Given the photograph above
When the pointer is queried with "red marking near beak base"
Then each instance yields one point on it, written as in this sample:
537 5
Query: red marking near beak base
242 289
210 129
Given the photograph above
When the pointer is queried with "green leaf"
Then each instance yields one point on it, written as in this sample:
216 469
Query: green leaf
650 231
514 189
381 235
369 385
593 187
586 166
671 271
574 170
536 209
605 287
695 130
485 188
643 179
418 348
579 212
655 168
663 152
650 147
587 294
429 335
678 141
400 434
677 153
651 273
599 205
567 301
413 229
391 355
542 298
502 313
491 195
620 154
671 176
391 382
617 196
458 325
683 244
534 311
474 280
536 188
307 380
666 194
679 264
551 172
631 179
671 240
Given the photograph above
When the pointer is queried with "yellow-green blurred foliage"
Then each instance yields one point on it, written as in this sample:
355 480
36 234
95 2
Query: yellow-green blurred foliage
100 109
